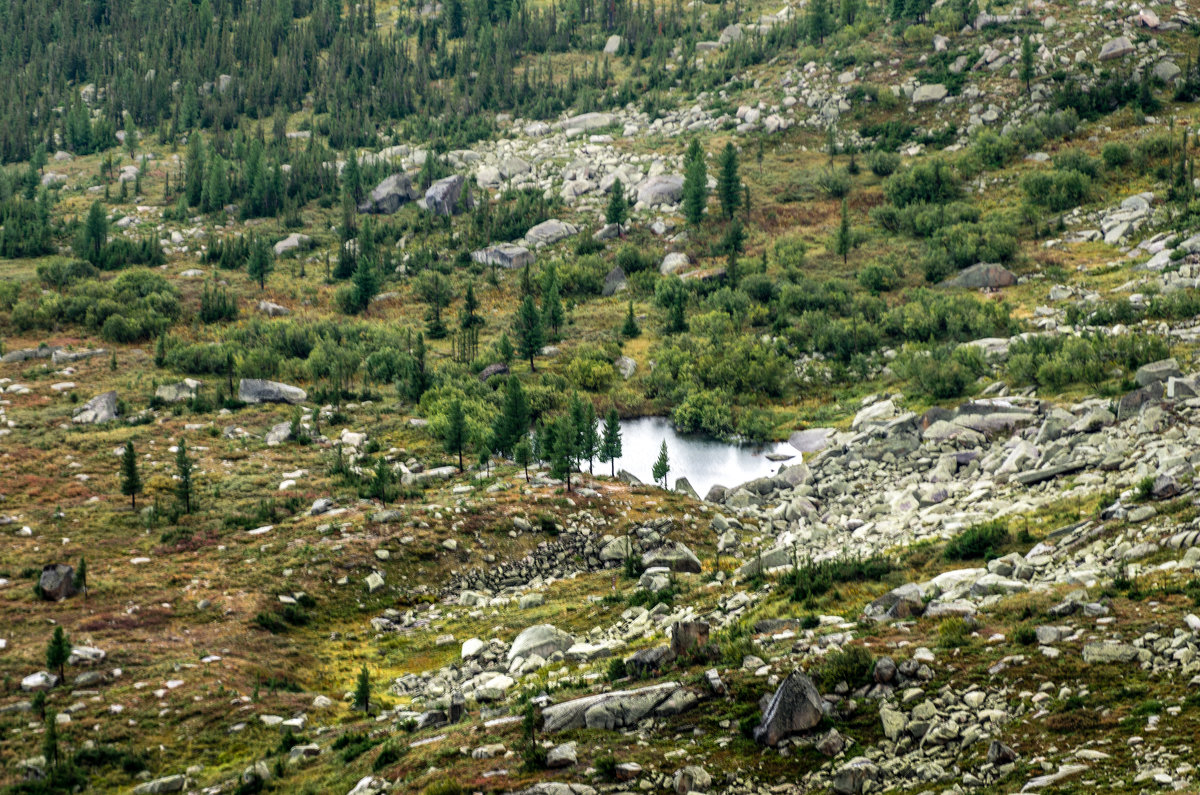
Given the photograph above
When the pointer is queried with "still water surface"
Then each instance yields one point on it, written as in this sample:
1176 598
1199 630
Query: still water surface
704 461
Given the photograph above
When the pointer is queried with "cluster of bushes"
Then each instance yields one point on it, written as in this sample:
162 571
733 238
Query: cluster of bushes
982 541
1056 362
810 579
990 149
136 306
944 372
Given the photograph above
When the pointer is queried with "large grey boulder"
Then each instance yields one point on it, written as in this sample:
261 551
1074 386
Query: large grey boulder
254 390
1167 71
540 639
983 275
795 708
672 555
159 786
272 309
1109 652
445 197
549 232
903 602
926 94
102 408
1116 48
663 189
614 282
612 45
292 243
56 582
691 779
177 393
852 778
616 710
587 122
673 262
616 550
1155 372
504 255
388 196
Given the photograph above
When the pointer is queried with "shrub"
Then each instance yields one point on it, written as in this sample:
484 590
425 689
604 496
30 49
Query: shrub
706 411
878 277
616 669
981 541
444 787
852 665
952 633
390 755
1057 191
931 182
883 164
632 260
1025 635
789 252
812 579
994 151
943 373
1116 155
834 183
1078 160
606 767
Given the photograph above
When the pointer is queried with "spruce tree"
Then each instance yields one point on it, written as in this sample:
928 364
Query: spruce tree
528 330
95 233
504 349
261 262
630 328
469 317
695 184
57 652
843 239
131 480
819 21
662 466
362 691
485 459
1027 70
618 206
513 423
729 184
79 581
563 450
591 436
610 445
366 284
50 743
455 438
523 454
183 477
552 310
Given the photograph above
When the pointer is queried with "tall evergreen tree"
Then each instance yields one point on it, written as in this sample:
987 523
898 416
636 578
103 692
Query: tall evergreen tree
513 423
1027 70
552 310
662 466
455 438
591 436
819 21
523 454
131 480
729 184
50 743
630 327
261 262
843 240
528 330
618 206
79 581
362 691
183 477
563 449
610 445
695 184
57 652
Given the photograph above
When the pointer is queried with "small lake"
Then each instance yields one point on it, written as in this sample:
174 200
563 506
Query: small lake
704 461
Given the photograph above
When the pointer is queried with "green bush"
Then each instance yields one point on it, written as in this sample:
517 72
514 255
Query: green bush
1025 635
1116 155
993 151
883 164
944 372
1056 191
982 541
952 633
810 579
1078 160
444 787
852 665
834 183
930 182
878 277
704 411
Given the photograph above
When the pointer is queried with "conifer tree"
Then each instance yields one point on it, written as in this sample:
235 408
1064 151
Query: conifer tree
591 436
843 239
362 691
57 652
183 473
729 184
630 327
523 454
50 743
695 184
1027 70
456 431
662 466
618 206
261 263
610 445
79 581
513 423
131 480
528 330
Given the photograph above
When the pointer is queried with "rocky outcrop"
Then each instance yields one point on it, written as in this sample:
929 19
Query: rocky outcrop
253 390
100 409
